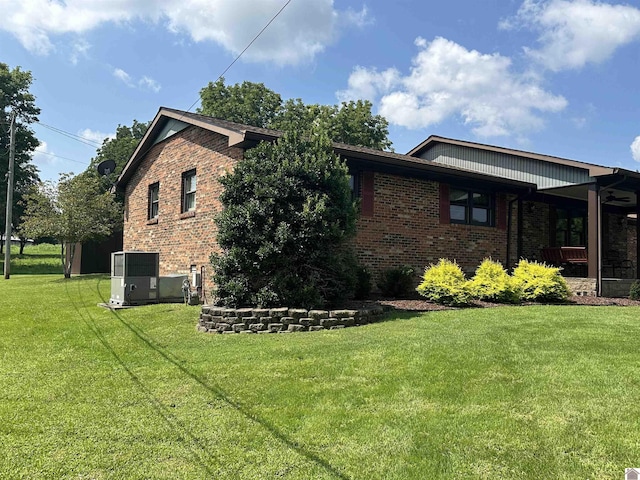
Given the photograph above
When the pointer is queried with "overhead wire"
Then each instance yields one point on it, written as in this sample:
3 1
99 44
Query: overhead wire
237 57
81 139
72 136
249 45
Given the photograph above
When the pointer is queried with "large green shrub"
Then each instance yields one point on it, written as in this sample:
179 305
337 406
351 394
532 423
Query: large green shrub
396 282
444 283
287 214
634 290
540 282
492 283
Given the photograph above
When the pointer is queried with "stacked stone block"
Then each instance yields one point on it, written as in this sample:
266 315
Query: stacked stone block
282 320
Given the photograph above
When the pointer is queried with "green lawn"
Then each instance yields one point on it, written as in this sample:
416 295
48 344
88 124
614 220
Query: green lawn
36 259
512 392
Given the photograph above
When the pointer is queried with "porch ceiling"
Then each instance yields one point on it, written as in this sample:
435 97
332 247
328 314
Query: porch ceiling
613 196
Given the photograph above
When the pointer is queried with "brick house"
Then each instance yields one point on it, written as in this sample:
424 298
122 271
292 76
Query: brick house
445 198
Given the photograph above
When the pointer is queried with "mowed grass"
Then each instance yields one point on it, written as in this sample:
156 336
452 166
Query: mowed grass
35 259
512 392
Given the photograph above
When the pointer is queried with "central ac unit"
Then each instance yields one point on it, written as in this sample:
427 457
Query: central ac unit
134 278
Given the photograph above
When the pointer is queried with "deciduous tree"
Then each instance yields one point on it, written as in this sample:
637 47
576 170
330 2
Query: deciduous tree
254 104
75 210
118 149
15 97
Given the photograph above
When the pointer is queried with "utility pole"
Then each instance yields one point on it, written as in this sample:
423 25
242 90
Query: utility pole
7 230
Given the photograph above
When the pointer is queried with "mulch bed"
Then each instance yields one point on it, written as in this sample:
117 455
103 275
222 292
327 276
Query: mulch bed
416 305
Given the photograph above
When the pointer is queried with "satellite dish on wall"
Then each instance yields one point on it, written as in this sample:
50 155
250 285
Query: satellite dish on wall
106 167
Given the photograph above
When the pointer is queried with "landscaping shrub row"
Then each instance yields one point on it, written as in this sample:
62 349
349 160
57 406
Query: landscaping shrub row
282 320
445 283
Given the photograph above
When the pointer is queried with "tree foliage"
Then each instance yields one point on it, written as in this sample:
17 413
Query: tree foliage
249 103
73 211
287 213
254 104
15 96
118 149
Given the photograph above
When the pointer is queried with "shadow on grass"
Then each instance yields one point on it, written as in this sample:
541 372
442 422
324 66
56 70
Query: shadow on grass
163 412
214 389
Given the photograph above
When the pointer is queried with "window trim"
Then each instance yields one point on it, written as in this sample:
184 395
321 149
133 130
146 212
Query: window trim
468 205
151 203
185 193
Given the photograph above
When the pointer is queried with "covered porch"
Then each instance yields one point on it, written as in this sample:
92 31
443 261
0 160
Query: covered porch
589 229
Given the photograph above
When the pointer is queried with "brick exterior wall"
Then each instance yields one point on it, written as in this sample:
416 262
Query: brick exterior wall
181 239
405 229
535 228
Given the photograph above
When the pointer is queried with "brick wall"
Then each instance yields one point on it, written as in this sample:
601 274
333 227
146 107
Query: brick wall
535 228
181 239
405 228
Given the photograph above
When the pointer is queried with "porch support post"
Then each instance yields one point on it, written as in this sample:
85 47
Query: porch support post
594 236
637 234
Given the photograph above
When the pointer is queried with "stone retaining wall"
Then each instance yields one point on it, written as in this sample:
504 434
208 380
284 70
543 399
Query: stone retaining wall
282 320
582 286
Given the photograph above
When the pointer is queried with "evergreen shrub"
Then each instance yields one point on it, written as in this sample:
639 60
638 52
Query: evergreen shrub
396 282
363 283
540 282
492 283
634 290
445 283
288 213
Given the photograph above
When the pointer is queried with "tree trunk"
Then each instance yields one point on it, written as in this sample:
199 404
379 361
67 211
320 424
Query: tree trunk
23 242
67 263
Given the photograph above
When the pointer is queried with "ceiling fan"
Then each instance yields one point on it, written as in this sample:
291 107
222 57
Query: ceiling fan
612 198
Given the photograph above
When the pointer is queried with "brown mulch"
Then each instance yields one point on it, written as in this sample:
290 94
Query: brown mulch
417 305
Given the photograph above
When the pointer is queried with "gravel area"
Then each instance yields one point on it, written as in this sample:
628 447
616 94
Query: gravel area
416 305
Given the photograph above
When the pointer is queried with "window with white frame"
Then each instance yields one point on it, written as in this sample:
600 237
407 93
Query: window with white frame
154 197
189 191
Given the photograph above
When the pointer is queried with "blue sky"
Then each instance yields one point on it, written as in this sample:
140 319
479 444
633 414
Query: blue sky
560 77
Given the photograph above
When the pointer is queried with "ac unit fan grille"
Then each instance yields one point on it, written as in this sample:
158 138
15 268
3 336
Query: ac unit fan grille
142 265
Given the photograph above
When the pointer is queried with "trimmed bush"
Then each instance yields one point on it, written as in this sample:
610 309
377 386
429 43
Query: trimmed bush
444 283
288 215
492 283
396 282
363 283
634 291
540 282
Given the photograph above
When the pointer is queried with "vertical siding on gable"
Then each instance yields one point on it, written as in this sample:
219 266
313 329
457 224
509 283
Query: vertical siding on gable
543 174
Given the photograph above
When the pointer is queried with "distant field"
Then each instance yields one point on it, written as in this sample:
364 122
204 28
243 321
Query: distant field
513 392
36 260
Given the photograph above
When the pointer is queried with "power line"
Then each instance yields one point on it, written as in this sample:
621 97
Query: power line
247 47
63 158
72 136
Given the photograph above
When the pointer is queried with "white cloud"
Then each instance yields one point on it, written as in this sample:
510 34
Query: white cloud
95 136
301 31
43 156
79 49
573 33
149 84
635 149
447 80
123 76
144 83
